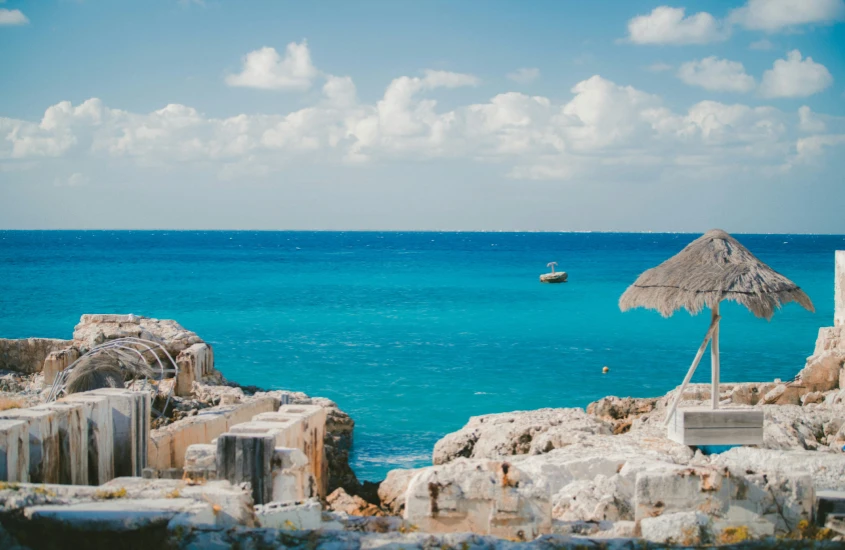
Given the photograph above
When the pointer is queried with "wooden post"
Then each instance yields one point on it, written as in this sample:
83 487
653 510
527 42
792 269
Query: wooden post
714 360
692 368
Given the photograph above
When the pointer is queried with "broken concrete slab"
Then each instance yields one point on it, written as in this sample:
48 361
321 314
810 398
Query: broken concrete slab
44 444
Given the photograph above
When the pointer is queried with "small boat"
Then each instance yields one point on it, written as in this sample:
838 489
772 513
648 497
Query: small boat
554 276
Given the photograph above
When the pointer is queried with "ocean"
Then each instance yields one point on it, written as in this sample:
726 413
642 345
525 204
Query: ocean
412 333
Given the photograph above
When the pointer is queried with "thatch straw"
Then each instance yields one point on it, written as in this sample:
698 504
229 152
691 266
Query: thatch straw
107 369
710 269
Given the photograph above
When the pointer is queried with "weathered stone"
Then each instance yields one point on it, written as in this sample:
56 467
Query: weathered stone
478 496
339 501
57 361
131 425
827 470
680 528
313 427
823 371
392 490
765 502
248 457
27 355
167 445
99 415
94 329
44 444
72 425
290 516
522 432
201 462
195 363
14 450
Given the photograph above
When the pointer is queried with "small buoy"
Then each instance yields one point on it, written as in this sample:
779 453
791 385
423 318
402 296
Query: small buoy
605 370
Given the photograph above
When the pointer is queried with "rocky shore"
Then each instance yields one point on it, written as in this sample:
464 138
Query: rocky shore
601 477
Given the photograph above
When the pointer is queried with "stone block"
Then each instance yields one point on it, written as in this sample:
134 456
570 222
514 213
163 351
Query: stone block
248 457
131 424
56 362
44 444
681 529
292 479
313 426
99 415
478 496
765 503
290 517
701 426
167 446
201 462
195 363
14 450
73 441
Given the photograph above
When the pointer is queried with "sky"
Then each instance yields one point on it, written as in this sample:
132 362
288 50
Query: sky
560 115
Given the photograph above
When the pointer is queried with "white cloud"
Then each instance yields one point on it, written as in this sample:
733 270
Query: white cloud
659 67
12 17
764 44
603 130
666 25
794 77
777 15
266 69
809 149
809 122
719 75
525 75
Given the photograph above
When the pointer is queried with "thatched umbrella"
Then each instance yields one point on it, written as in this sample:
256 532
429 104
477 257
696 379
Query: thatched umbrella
712 268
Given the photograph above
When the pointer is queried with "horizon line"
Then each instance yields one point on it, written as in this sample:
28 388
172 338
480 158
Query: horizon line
571 231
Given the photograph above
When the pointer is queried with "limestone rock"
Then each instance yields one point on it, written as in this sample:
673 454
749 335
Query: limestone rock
681 528
795 427
27 355
516 433
340 501
392 490
827 470
480 496
830 338
94 329
823 371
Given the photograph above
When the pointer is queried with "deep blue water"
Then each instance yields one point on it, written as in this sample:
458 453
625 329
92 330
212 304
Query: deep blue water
412 333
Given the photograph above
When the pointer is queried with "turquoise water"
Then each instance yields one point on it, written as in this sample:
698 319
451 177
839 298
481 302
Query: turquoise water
412 333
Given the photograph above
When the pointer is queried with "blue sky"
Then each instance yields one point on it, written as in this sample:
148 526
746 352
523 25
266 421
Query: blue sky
493 115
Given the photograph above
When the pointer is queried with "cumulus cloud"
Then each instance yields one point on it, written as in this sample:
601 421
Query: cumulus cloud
525 75
795 77
266 69
777 15
718 75
12 17
809 122
667 25
601 129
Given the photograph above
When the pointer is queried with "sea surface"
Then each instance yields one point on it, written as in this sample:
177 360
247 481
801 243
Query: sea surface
413 333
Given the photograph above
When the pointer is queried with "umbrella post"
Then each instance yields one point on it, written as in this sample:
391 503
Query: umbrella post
692 368
714 360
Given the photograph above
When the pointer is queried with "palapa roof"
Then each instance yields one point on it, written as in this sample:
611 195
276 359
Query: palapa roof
712 268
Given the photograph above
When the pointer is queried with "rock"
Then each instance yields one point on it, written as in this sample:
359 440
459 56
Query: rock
338 444
830 338
94 329
681 528
621 411
479 496
823 371
340 501
827 470
27 355
795 427
812 398
291 516
593 500
516 433
391 491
